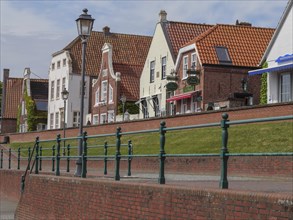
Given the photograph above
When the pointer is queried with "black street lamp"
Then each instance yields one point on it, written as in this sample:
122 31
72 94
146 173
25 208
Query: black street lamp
65 95
123 100
85 24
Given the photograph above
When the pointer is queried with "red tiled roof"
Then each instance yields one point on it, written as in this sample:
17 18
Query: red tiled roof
246 45
127 49
13 97
179 33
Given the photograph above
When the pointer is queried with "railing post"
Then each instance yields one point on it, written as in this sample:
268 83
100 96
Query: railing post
117 155
68 159
37 156
28 159
84 155
1 160
105 159
224 150
18 158
53 158
41 154
58 155
9 158
162 153
130 151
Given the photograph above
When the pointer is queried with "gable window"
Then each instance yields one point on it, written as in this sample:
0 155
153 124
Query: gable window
57 120
223 55
104 91
64 62
152 71
63 83
95 119
185 66
76 119
193 60
164 68
285 87
97 96
58 64
58 89
52 90
110 94
51 121
53 66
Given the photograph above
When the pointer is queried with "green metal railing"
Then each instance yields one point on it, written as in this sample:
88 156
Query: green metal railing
162 155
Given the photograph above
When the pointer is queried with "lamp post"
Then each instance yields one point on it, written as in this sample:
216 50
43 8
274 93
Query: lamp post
65 95
123 100
84 27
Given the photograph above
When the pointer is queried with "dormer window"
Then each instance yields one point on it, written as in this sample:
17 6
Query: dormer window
223 55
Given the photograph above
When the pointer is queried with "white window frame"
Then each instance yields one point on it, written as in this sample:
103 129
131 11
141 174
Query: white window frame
63 83
183 106
104 90
58 89
57 120
164 66
193 60
76 119
103 116
287 93
96 119
97 96
111 116
58 64
52 121
110 94
152 71
64 62
52 89
53 66
184 66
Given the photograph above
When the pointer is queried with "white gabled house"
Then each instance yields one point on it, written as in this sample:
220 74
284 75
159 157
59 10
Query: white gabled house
168 37
279 58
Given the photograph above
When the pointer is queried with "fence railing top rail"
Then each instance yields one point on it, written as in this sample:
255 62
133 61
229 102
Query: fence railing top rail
246 121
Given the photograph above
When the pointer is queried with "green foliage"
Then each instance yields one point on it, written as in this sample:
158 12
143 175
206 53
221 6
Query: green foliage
18 118
131 107
264 86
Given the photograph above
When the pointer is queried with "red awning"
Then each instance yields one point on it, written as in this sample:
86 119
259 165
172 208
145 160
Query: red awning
181 96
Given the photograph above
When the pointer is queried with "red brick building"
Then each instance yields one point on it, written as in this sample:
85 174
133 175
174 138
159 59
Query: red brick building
220 59
121 64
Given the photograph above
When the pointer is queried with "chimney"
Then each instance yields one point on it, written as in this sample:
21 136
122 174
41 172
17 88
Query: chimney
106 30
163 16
5 74
5 78
243 23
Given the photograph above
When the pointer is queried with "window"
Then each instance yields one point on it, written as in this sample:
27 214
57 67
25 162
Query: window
110 116
51 121
285 87
156 105
185 66
57 120
104 91
62 118
103 119
163 67
144 108
97 97
95 119
53 66
81 88
76 119
183 106
64 62
52 90
58 89
63 83
110 94
58 64
152 71
193 60
223 55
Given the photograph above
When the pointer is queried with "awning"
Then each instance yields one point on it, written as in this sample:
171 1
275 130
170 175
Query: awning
271 69
181 96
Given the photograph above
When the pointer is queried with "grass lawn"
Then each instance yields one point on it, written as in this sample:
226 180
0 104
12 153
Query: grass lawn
261 137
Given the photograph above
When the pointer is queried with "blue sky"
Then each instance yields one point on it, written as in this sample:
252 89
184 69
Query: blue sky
32 30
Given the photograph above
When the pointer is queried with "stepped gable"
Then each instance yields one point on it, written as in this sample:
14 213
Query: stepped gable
128 49
246 44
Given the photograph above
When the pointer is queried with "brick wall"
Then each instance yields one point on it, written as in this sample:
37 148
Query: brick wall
10 184
48 197
179 120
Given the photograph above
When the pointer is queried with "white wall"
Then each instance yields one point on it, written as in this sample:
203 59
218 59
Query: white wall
158 49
